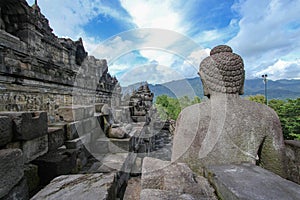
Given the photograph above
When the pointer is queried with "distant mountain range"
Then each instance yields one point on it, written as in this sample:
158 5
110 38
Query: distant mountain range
280 89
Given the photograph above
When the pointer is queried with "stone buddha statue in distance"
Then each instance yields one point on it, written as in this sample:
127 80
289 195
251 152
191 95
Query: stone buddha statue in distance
227 129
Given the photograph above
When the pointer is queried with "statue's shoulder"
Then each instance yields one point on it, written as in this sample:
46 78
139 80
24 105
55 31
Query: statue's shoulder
195 112
261 109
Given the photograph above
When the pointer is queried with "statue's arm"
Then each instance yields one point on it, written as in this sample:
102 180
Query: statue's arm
273 149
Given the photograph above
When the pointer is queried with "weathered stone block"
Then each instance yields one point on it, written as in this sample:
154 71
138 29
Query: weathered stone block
14 145
117 132
89 111
118 115
74 130
34 148
98 107
113 162
71 113
139 118
79 143
55 163
156 194
175 177
5 130
19 192
137 167
89 124
83 186
56 138
100 146
11 169
119 145
133 189
31 176
28 125
97 133
248 181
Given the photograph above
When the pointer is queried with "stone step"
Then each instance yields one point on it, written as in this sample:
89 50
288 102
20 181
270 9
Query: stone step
79 143
112 162
6 134
28 125
56 138
71 113
119 145
83 186
19 191
11 169
56 163
76 112
248 181
110 145
100 146
32 149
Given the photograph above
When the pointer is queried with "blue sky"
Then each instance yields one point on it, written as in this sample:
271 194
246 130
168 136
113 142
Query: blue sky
179 34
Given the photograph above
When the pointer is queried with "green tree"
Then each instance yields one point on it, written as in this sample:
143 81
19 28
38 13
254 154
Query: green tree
288 112
257 98
169 108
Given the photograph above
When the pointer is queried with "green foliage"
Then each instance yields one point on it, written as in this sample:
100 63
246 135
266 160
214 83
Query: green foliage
257 98
289 115
169 108
288 112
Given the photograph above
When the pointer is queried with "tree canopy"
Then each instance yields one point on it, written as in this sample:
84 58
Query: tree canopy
287 110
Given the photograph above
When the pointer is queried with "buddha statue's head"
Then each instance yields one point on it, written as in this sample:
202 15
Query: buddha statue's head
222 72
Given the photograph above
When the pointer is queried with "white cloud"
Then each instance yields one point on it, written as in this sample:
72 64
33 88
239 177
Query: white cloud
68 17
154 14
197 56
269 31
282 70
114 48
166 48
151 72
160 56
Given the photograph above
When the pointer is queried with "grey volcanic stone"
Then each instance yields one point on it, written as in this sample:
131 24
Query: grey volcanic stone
176 178
31 176
89 111
56 138
81 187
293 160
133 189
34 148
53 164
74 130
79 143
19 192
155 194
247 181
28 125
100 146
11 169
5 130
116 132
119 145
71 113
227 129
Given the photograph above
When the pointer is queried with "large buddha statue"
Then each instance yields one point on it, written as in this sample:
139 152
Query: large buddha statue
227 129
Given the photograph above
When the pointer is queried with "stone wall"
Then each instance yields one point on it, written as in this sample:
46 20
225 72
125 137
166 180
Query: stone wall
49 91
293 160
39 71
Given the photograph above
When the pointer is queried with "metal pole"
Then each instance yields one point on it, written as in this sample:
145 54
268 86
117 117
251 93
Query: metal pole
265 82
